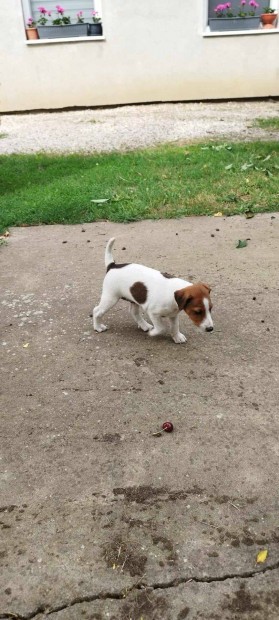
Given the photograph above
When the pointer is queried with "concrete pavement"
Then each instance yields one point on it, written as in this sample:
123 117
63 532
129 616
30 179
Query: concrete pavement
100 519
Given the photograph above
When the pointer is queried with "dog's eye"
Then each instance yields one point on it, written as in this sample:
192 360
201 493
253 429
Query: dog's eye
198 311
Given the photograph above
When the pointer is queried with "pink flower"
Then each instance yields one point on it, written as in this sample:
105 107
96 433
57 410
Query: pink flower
94 13
79 14
243 2
228 5
49 13
59 9
42 10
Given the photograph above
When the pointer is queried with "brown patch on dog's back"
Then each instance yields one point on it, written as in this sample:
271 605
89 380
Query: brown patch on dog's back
116 266
139 292
167 275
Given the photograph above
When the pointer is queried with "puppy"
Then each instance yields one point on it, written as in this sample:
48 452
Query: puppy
158 294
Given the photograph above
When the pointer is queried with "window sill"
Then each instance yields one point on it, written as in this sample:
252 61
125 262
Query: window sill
241 33
64 40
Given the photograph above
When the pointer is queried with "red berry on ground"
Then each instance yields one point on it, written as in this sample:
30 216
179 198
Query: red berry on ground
168 427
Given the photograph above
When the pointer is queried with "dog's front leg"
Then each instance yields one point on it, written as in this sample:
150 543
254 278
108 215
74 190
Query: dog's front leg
177 336
159 326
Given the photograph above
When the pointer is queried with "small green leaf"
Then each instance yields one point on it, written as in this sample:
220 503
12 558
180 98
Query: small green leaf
100 200
241 243
229 167
267 158
232 198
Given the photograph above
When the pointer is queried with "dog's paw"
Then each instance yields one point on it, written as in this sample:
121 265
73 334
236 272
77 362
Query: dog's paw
100 328
155 332
179 338
146 327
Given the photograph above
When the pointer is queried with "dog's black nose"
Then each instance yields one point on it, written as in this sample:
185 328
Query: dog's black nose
209 329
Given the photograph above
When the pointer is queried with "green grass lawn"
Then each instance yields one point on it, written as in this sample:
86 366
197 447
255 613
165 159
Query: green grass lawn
271 124
162 182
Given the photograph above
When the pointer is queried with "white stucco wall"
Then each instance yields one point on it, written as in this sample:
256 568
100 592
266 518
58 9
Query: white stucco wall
153 51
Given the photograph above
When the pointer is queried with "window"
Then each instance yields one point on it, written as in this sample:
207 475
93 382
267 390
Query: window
237 14
50 19
235 5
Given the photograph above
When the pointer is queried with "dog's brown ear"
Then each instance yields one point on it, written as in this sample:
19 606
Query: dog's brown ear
183 297
206 286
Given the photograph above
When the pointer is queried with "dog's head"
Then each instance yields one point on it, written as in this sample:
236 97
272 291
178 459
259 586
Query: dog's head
196 302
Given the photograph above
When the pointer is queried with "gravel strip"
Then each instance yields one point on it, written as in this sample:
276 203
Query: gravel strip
129 127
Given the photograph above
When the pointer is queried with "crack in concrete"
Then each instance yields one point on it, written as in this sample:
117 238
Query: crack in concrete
138 586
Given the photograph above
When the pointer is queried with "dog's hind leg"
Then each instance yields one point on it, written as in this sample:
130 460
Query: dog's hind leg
136 313
106 303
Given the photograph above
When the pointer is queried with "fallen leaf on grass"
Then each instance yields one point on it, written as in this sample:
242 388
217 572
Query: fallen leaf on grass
100 200
241 243
246 166
219 214
216 147
25 345
262 555
229 167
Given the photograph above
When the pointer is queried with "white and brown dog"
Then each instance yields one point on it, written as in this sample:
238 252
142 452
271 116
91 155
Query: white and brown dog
158 294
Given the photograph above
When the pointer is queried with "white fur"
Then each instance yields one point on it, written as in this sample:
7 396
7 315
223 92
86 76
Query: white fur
207 321
160 304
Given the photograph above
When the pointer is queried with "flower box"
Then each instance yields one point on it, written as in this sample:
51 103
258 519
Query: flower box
63 32
95 30
217 24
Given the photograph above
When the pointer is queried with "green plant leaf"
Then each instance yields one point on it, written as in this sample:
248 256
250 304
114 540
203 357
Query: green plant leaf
242 243
100 200
229 167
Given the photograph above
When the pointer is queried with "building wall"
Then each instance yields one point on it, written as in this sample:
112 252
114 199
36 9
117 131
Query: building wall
151 53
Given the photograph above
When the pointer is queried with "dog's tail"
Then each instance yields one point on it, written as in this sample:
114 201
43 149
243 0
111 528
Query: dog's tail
108 254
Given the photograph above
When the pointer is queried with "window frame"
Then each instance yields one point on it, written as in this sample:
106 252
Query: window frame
206 32
26 12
